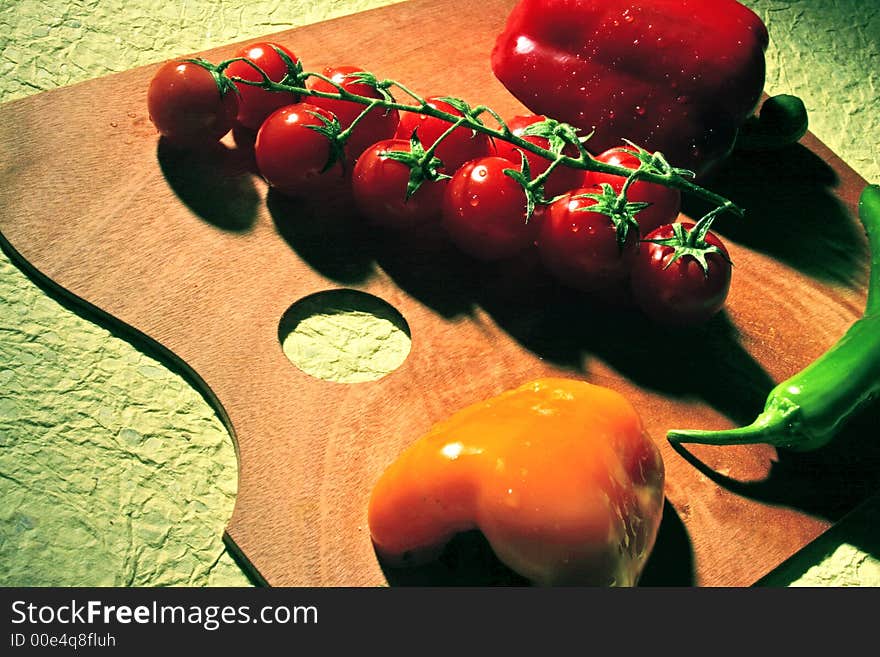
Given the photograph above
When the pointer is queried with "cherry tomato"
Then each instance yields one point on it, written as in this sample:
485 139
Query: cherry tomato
291 155
680 292
580 248
375 126
188 105
255 104
665 201
561 180
379 185
484 210
456 149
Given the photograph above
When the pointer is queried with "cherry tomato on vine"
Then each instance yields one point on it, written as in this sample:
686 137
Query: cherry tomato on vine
583 249
562 178
460 146
377 125
665 201
255 103
379 185
675 289
190 104
484 210
292 155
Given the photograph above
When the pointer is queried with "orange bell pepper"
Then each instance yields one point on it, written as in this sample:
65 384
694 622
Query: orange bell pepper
558 474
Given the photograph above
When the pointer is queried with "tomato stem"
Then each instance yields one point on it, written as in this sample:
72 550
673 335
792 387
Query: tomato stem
481 109
345 134
429 152
697 235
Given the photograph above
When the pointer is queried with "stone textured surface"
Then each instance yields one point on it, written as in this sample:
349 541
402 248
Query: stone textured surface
112 469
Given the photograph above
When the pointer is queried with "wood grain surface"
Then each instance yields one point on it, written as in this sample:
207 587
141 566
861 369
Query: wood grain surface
190 250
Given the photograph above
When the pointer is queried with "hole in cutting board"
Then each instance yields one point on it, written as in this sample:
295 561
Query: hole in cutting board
344 336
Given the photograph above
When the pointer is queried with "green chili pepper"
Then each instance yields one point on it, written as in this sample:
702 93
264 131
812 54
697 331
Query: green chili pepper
806 411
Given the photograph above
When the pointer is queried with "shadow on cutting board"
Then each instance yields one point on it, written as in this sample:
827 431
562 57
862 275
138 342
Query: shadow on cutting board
468 560
326 235
565 328
560 326
791 213
826 483
216 183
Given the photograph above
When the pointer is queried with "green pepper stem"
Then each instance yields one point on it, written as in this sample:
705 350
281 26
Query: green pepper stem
782 121
767 428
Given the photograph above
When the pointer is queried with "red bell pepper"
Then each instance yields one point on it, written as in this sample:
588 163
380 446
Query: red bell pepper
676 76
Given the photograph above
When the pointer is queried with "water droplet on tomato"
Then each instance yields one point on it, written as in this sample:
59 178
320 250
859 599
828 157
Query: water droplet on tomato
628 17
681 100
475 200
640 110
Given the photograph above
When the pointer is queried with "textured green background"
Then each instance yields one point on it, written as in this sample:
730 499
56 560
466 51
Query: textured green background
112 469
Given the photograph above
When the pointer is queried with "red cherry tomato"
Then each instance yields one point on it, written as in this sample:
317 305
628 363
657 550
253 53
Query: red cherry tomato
484 210
188 105
665 201
379 185
291 155
680 292
255 104
456 149
374 127
580 248
561 180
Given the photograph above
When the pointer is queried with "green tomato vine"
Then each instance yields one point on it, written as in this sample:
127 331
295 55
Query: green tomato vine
653 167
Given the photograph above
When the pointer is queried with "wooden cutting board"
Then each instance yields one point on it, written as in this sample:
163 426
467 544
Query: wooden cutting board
192 252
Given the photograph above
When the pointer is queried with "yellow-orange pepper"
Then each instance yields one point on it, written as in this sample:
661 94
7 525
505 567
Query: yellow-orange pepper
558 474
